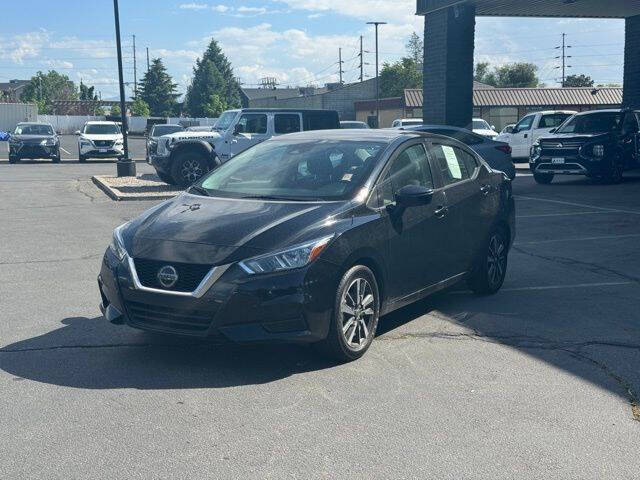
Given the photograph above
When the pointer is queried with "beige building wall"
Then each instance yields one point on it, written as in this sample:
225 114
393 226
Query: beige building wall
387 116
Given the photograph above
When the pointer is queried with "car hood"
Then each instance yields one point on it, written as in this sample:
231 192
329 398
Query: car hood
215 230
576 137
114 136
188 135
31 138
485 133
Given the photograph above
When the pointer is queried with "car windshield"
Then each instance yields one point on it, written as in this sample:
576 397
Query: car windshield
592 123
33 130
101 129
225 120
160 130
481 125
296 170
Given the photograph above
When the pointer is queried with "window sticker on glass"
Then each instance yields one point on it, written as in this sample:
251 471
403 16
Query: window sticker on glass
452 162
347 177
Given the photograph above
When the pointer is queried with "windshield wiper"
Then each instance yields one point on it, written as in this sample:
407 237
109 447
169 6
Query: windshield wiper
198 189
275 197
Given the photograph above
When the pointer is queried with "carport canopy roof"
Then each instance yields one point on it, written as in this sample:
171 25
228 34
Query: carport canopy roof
540 8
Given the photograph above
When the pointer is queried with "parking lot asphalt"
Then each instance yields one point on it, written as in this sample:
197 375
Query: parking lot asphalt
537 381
69 149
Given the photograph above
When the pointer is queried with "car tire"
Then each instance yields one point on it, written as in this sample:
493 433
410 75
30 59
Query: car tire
165 177
13 159
56 159
81 158
614 176
188 168
543 178
355 315
491 266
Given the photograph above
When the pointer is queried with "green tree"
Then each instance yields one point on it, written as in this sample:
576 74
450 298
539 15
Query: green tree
215 106
139 108
212 74
45 88
87 93
514 75
395 77
115 110
415 48
158 90
578 81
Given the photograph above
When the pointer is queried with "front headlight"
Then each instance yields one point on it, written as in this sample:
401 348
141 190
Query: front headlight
118 142
536 150
598 150
293 257
117 244
85 143
48 142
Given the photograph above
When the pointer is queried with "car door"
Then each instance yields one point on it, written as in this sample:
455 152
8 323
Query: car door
250 129
520 137
629 138
416 236
467 198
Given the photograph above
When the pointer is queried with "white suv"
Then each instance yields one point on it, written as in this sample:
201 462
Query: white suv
100 140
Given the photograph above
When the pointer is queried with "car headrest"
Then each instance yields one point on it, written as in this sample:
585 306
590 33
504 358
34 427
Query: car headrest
320 166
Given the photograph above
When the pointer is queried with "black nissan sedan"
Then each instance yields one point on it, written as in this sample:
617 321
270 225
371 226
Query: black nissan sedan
311 237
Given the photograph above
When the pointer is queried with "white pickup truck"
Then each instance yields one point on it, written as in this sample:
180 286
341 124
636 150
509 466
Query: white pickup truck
532 126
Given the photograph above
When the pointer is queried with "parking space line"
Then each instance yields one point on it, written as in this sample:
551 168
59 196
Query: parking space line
579 239
569 214
560 202
68 153
555 287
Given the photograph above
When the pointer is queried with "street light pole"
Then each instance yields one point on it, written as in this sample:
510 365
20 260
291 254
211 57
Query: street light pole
126 167
377 78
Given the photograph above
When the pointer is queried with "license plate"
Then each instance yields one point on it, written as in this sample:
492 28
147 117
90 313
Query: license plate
103 150
557 161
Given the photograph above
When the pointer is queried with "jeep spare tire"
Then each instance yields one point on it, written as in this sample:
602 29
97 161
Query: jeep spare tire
188 167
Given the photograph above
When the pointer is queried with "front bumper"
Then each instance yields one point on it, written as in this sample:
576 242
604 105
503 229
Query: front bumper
33 151
294 306
572 165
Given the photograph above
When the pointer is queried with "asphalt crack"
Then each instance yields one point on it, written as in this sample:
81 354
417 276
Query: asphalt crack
571 262
57 260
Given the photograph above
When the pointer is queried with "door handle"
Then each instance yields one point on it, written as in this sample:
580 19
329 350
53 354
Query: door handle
485 189
441 211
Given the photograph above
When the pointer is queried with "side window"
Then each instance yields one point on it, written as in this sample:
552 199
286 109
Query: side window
454 163
252 123
411 167
286 122
320 121
525 123
630 124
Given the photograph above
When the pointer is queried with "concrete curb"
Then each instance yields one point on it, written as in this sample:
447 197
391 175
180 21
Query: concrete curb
114 194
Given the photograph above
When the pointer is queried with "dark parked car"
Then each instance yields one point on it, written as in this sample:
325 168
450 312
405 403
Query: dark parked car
34 140
157 131
310 237
496 154
600 144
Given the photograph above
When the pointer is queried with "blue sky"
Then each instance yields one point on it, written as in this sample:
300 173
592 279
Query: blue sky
295 41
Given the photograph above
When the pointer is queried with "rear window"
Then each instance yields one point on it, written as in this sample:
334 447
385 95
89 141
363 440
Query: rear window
464 137
552 121
160 130
320 120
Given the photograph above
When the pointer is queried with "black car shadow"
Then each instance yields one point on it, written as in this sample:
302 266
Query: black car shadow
70 356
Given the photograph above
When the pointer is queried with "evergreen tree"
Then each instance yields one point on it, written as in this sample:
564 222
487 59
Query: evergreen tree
87 93
158 91
212 75
139 108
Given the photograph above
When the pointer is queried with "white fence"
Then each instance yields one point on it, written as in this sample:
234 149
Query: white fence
13 113
67 124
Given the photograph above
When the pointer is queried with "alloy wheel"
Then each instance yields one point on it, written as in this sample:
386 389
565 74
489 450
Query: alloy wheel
191 170
496 260
357 312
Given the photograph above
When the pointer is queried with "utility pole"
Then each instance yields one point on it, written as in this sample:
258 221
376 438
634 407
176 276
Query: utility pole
147 59
377 77
361 62
135 72
340 71
564 57
126 167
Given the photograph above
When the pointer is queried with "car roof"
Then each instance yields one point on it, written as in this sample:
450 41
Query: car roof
100 122
381 135
167 125
437 127
604 110
278 110
35 123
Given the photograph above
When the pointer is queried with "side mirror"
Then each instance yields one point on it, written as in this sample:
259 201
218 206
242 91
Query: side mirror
413 196
509 130
77 132
493 127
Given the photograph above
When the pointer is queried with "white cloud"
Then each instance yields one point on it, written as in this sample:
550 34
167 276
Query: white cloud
220 8
193 6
